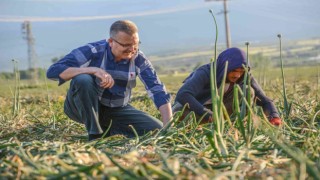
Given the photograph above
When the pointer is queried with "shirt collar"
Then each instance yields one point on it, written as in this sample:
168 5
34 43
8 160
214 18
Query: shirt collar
111 57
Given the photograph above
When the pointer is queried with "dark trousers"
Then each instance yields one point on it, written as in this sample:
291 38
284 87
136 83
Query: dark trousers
82 105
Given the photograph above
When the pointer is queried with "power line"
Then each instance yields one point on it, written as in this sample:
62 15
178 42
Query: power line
114 16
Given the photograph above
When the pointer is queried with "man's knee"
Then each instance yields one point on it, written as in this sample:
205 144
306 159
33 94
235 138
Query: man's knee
151 123
82 80
84 83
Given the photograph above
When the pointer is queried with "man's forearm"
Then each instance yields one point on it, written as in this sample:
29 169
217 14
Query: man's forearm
166 113
73 71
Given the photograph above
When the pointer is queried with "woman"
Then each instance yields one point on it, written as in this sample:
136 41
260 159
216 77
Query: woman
196 91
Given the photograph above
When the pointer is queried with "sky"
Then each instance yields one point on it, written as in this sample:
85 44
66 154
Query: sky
58 26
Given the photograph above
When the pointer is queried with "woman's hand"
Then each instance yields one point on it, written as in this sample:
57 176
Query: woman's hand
276 121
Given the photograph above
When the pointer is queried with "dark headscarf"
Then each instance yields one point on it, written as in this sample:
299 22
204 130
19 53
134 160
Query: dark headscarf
235 57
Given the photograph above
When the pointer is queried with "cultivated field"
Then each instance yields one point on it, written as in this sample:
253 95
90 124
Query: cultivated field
38 141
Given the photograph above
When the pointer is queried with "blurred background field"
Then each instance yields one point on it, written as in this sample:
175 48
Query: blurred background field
299 61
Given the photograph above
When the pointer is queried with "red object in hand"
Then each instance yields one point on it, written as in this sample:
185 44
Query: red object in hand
275 121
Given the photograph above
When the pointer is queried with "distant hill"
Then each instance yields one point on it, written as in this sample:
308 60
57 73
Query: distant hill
294 53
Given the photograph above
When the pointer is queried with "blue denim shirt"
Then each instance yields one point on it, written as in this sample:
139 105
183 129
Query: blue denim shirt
124 73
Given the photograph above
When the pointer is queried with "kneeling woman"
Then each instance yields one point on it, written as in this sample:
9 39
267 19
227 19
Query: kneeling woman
196 91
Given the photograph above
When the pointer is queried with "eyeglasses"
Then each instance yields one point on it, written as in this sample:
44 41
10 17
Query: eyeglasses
126 46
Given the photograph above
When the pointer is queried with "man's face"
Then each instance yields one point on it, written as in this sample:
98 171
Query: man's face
234 75
124 46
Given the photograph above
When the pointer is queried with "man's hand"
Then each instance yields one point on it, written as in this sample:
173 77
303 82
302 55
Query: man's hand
166 113
275 121
106 79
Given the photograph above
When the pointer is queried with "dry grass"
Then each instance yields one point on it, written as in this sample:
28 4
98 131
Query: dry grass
41 142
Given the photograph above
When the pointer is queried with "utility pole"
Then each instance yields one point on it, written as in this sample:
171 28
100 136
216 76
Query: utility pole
27 35
226 19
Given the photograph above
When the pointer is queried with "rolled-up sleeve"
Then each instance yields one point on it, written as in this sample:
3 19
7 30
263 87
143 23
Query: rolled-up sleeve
75 58
155 88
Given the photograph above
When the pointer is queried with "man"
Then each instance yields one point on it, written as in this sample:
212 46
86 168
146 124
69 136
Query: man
103 74
196 91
